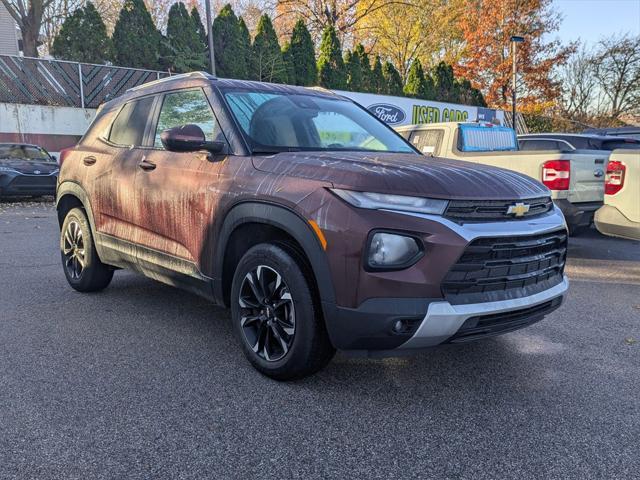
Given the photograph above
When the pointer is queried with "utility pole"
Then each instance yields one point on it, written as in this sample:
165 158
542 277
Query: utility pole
212 56
514 41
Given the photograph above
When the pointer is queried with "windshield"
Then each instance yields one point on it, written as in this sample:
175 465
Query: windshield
276 122
24 152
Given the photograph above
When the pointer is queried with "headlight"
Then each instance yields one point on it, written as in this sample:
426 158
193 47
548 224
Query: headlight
382 201
389 250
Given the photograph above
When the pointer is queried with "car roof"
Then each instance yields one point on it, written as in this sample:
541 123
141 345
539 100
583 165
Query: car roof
17 144
200 79
551 136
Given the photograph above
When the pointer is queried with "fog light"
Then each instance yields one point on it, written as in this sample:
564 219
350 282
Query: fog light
388 250
400 326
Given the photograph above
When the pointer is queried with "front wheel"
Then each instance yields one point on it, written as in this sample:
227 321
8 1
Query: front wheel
274 314
82 267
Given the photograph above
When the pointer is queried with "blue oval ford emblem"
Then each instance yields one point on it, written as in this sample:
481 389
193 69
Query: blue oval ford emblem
387 113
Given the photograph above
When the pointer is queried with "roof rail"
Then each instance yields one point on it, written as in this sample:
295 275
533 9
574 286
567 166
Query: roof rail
199 74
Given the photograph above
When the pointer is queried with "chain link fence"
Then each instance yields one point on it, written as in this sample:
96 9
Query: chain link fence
70 84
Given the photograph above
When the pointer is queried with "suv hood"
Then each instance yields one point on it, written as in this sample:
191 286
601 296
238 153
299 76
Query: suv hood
404 174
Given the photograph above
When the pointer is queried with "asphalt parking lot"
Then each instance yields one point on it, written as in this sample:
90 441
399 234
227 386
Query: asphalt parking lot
145 381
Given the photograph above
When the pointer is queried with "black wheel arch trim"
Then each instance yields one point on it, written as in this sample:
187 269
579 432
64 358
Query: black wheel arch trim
75 190
285 219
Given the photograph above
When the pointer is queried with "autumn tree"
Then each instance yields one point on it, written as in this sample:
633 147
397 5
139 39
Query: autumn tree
83 37
392 79
487 28
267 64
136 41
331 70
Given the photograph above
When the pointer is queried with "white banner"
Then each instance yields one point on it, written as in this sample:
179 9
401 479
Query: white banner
408 111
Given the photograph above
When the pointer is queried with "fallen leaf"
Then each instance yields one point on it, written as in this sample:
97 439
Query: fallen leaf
630 341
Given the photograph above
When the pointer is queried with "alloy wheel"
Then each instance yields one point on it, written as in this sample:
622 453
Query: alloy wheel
73 249
267 314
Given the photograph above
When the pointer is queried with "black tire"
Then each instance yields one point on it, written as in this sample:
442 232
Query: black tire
82 267
298 354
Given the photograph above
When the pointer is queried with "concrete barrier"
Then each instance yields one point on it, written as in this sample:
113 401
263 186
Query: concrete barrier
53 128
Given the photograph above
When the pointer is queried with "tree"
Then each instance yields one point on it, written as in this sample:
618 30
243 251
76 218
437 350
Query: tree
417 85
377 79
617 72
136 41
227 44
392 79
199 26
365 66
331 71
244 50
289 66
354 71
342 15
444 84
303 60
579 85
487 28
468 95
83 37
267 64
404 30
182 49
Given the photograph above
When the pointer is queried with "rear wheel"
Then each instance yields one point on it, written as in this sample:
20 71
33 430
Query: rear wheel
279 324
82 267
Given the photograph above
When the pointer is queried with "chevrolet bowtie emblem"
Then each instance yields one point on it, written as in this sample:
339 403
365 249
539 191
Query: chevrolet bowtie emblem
518 210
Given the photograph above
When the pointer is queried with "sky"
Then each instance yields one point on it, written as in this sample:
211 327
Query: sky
591 20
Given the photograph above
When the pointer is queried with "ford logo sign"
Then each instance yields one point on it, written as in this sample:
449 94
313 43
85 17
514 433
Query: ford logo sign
387 113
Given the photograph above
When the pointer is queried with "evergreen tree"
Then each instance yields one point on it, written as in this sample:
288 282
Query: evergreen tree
365 65
354 71
136 40
227 45
445 86
392 79
267 64
417 86
468 95
245 46
182 48
331 71
377 79
302 55
289 65
199 26
83 37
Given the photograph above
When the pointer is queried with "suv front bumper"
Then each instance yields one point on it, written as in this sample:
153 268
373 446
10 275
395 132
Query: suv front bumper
443 320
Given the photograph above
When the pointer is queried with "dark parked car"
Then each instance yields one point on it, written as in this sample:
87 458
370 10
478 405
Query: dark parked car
575 141
318 225
26 170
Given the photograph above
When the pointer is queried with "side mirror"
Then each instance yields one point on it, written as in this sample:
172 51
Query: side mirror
188 138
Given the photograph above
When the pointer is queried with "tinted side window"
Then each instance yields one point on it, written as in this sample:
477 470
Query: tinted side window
541 145
188 106
128 127
427 141
624 144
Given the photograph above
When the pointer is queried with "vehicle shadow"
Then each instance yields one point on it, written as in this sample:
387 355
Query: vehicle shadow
491 364
592 245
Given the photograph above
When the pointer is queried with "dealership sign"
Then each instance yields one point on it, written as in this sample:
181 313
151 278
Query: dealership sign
407 111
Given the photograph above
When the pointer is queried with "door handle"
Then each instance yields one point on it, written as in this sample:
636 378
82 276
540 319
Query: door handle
88 161
147 165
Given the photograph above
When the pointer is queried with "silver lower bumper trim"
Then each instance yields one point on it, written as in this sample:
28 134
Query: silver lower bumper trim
443 319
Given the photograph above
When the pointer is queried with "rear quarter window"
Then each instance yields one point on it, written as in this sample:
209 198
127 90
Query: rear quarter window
480 138
129 126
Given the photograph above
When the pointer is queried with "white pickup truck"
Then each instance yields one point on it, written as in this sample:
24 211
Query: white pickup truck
620 215
575 178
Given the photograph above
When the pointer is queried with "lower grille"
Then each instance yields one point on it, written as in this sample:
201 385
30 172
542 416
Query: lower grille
28 182
484 210
492 269
475 328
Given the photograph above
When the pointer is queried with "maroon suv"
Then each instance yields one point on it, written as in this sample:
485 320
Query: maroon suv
317 224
